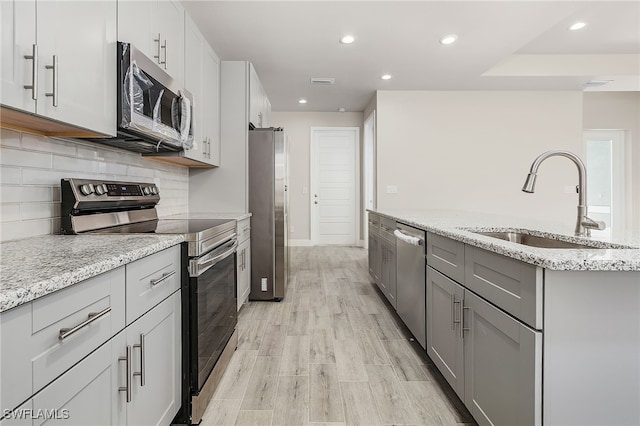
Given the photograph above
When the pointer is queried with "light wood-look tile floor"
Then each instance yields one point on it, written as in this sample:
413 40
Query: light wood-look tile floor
332 351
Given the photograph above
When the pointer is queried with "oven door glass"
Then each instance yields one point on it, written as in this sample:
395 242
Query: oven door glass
213 317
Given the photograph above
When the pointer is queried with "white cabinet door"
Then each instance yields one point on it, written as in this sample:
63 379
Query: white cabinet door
444 333
156 366
156 28
193 82
170 17
18 38
244 272
87 394
503 366
77 63
211 105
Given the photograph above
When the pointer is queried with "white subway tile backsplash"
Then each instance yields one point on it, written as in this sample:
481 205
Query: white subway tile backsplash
55 146
75 164
9 138
31 168
10 175
30 211
18 157
9 212
25 229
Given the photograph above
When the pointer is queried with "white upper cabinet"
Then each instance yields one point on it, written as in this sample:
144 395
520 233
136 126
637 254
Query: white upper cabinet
18 40
71 77
202 80
156 28
259 105
211 105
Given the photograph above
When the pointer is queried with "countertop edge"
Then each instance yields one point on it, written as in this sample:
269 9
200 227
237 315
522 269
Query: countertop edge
14 298
530 255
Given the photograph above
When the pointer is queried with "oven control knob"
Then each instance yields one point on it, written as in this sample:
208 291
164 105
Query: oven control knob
86 189
154 190
146 190
100 189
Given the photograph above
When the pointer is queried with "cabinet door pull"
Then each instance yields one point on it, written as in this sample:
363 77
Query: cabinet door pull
141 373
93 316
157 40
164 46
34 72
164 276
54 68
454 321
127 387
463 328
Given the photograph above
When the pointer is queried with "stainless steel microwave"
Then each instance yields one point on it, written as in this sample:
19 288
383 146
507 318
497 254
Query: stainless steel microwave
154 113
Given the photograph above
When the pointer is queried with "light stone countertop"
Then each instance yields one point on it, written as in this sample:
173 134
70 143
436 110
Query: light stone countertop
34 267
455 224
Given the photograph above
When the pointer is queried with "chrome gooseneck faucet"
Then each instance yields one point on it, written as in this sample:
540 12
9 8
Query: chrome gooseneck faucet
584 224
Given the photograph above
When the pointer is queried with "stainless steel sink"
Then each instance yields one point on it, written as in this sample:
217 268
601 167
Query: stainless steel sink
536 241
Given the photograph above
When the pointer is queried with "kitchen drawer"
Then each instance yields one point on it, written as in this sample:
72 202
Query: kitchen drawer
387 226
32 354
446 255
150 280
244 230
511 285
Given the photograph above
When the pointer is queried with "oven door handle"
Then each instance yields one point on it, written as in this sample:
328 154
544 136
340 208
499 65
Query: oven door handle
199 266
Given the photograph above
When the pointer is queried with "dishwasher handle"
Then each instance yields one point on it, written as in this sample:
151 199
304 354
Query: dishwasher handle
409 239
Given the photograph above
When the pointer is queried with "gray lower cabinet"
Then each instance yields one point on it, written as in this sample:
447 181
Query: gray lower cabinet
492 360
387 280
444 328
375 251
502 366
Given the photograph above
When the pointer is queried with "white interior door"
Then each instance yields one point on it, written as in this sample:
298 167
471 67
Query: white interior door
605 162
334 185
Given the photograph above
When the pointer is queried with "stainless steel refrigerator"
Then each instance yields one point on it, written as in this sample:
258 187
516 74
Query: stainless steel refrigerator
268 203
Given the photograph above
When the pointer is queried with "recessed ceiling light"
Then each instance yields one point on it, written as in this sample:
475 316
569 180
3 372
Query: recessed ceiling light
578 26
448 39
302 101
347 39
386 77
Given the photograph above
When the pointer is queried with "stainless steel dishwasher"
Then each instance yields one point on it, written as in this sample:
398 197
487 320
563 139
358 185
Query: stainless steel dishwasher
411 280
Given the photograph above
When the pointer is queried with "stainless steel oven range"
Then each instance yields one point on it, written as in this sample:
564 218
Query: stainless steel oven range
209 305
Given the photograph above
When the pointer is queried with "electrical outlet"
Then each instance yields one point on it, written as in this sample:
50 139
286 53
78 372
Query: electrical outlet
392 189
263 284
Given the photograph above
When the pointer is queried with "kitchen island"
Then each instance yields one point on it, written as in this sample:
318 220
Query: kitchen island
528 335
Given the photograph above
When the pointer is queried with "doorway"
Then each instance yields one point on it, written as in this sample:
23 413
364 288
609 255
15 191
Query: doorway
335 185
605 162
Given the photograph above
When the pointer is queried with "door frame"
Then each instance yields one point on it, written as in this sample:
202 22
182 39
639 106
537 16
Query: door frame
313 225
368 144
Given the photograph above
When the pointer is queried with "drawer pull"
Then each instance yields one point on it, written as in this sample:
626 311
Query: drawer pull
164 276
127 359
141 373
93 316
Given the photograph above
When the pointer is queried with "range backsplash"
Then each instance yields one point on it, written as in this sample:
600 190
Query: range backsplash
31 168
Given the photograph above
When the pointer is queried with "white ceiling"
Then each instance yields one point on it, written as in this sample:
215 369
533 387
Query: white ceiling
502 45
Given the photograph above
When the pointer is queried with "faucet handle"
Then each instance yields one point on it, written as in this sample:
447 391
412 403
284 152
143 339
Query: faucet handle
589 223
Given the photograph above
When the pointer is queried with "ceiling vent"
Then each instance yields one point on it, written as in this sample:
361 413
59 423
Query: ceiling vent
322 81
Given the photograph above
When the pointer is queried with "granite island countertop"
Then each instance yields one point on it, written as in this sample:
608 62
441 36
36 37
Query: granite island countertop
34 267
457 225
